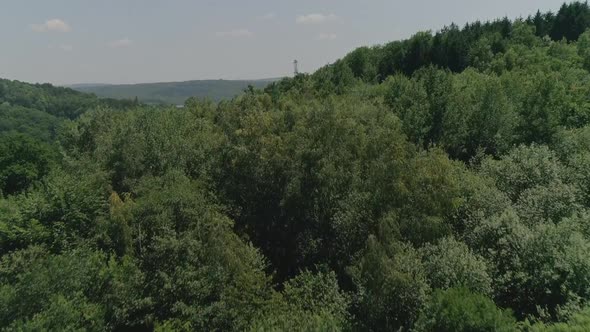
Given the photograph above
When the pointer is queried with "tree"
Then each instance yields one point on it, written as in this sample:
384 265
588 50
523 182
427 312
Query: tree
362 64
542 23
577 322
481 54
451 264
479 116
309 302
409 101
392 287
584 48
200 274
418 52
458 309
524 168
439 86
23 160
571 21
523 34
80 289
539 115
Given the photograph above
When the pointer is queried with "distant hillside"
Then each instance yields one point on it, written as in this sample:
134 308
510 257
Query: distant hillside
53 100
173 92
37 110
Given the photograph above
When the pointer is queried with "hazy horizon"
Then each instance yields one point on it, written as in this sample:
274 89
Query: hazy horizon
126 42
182 81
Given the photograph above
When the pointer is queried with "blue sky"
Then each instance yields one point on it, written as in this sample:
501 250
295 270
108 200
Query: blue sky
129 41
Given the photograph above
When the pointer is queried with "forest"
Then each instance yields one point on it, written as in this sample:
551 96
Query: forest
173 93
438 183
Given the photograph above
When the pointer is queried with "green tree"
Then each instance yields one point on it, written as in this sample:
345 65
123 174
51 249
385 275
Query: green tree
409 101
458 309
23 160
309 302
198 272
584 48
77 290
392 287
451 264
570 21
479 116
524 168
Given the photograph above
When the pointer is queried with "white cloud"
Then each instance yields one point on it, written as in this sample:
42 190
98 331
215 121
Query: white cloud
327 36
268 16
125 42
314 18
236 33
51 25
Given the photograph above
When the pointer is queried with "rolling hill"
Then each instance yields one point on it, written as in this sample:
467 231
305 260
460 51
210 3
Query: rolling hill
172 92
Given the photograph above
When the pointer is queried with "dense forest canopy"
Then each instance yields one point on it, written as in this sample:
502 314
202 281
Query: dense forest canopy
439 183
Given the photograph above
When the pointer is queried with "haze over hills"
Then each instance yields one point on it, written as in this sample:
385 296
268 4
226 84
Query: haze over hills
173 92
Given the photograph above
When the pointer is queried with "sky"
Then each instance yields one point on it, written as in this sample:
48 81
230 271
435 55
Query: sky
136 41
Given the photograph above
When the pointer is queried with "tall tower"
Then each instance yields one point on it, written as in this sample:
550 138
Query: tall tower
296 65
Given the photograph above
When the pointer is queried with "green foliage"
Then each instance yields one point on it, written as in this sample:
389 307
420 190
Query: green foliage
299 166
409 101
571 21
363 64
23 160
57 101
78 290
541 108
458 309
392 287
451 264
530 273
476 45
579 322
63 208
197 270
552 202
454 161
31 122
317 292
300 321
309 302
524 168
479 116
145 142
583 46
